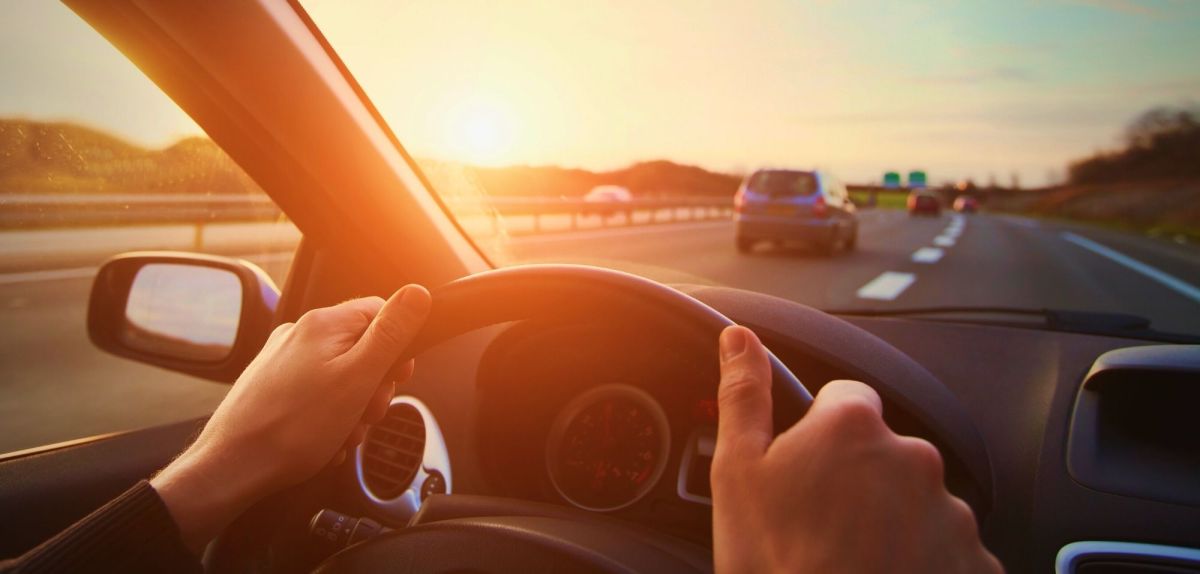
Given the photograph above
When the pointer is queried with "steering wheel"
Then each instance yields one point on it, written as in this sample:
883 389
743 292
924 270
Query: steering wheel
530 539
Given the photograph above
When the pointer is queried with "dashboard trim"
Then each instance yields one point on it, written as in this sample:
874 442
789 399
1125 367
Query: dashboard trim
436 458
1075 553
702 442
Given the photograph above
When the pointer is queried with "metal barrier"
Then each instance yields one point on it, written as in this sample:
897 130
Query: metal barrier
56 211
659 210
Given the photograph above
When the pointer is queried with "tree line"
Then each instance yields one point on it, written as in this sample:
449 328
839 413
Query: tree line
1162 143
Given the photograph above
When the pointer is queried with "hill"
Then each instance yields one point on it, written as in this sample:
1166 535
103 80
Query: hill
644 179
59 157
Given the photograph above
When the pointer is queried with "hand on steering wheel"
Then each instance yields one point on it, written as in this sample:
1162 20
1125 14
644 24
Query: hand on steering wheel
837 492
305 399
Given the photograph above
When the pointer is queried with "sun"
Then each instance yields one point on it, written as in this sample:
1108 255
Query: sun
480 132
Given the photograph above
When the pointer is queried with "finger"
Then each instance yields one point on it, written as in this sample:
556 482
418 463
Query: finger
845 408
744 397
356 436
392 330
354 316
377 408
281 330
401 373
836 394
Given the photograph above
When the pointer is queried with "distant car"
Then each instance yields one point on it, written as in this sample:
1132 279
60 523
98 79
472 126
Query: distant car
608 194
611 196
966 204
784 206
923 201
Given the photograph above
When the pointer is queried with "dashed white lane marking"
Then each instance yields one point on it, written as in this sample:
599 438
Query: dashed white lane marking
927 255
943 241
887 286
1187 290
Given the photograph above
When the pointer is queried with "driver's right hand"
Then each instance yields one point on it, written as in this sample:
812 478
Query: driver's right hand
837 492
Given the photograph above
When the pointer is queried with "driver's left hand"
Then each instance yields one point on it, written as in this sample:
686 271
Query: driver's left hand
304 401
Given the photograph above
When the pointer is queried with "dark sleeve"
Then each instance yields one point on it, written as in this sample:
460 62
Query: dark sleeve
131 534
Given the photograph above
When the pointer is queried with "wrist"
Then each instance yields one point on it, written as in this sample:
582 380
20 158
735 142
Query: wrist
204 494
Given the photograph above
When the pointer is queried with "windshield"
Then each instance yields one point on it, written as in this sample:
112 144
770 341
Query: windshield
1059 140
782 182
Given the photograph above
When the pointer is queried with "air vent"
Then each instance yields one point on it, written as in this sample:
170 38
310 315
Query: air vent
393 451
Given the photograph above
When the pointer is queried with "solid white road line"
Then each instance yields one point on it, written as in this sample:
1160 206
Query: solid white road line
927 255
943 241
887 286
47 275
89 272
1190 291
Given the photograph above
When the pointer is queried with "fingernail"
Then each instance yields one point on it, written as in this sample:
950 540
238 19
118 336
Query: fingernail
415 298
733 343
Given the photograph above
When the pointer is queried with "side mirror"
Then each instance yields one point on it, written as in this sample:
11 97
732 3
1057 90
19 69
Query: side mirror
202 315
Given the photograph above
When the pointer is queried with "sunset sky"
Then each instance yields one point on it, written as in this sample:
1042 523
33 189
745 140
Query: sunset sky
959 88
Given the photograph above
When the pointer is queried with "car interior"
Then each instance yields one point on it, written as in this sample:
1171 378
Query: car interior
1077 451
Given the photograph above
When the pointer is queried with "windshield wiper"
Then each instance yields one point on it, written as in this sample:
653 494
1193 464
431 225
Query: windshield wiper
1089 322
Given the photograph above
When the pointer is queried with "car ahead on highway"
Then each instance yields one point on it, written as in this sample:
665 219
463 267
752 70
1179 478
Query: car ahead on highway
608 200
966 204
794 206
608 194
924 202
1070 434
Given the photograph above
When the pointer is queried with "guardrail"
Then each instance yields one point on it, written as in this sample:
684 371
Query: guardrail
659 210
42 211
53 211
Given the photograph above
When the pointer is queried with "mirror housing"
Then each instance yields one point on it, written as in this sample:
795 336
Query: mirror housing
153 325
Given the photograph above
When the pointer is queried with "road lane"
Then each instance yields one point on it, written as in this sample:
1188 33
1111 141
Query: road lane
56 386
707 254
1170 281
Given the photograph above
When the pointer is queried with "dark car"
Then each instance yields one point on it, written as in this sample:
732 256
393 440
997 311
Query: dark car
785 206
921 201
966 204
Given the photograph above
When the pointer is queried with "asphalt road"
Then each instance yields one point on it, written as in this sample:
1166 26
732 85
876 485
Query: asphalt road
56 386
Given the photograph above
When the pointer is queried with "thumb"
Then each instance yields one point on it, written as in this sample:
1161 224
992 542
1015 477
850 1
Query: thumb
392 329
744 397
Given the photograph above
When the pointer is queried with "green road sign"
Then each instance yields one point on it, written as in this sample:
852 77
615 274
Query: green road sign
891 179
916 178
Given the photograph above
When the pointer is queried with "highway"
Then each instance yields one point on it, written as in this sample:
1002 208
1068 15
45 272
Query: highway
58 387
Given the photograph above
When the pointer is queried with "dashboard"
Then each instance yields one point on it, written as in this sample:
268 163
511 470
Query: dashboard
602 424
616 420
620 421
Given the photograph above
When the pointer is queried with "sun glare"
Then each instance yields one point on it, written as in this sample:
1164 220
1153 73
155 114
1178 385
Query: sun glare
480 132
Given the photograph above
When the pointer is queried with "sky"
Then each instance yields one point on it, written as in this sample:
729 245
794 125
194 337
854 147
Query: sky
959 88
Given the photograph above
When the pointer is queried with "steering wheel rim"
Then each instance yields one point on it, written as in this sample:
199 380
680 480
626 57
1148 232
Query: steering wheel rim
554 292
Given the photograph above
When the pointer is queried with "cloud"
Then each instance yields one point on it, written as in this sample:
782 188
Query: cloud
1123 6
1065 114
1006 74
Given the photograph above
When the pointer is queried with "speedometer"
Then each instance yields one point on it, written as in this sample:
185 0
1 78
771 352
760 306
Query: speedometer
608 447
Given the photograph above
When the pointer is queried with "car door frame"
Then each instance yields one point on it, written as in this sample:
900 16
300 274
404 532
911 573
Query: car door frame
272 93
